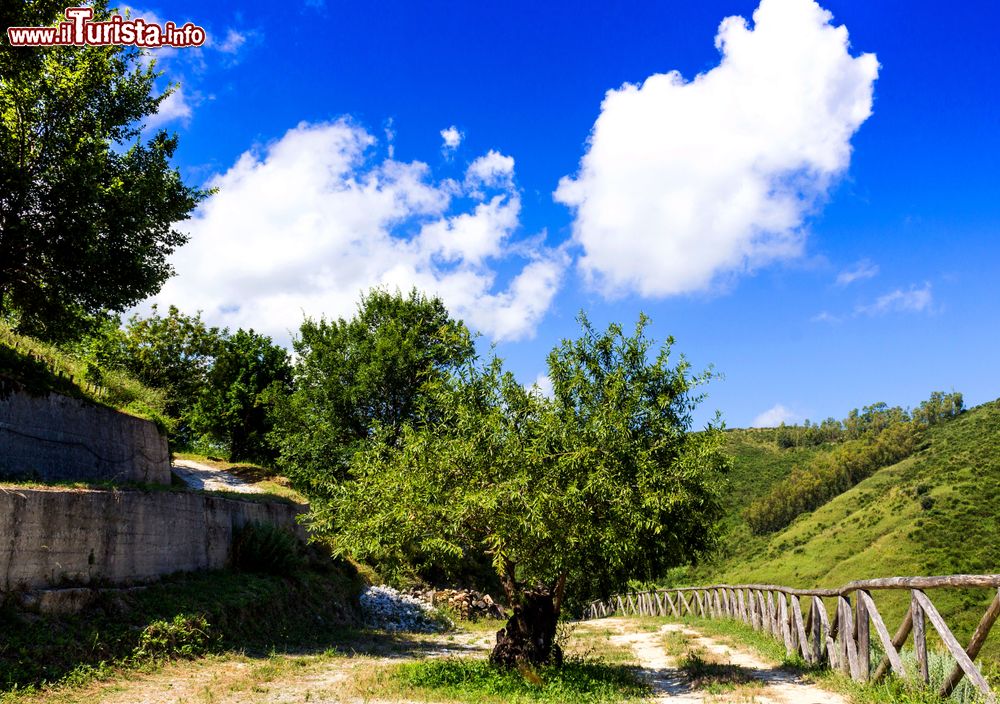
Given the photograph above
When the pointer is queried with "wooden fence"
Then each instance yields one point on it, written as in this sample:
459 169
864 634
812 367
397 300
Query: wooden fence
842 642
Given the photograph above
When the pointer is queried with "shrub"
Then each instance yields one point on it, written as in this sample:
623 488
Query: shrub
185 636
263 547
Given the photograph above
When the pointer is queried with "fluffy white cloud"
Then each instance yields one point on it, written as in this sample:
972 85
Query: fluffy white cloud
452 137
685 181
493 169
174 107
307 224
775 416
916 300
863 269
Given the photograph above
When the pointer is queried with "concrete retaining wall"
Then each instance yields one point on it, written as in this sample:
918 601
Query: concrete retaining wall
57 438
54 537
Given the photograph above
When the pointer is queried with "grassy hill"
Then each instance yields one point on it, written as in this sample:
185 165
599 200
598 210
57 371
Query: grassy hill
40 368
936 512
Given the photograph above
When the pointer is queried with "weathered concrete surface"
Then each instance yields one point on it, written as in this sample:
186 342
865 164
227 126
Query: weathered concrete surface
55 537
57 438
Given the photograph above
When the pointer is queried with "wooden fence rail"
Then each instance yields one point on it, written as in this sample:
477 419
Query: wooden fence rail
799 618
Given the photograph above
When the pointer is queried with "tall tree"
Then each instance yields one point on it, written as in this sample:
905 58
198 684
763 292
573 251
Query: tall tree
571 496
87 203
353 376
249 370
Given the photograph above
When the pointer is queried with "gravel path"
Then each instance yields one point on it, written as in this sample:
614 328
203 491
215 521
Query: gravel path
204 478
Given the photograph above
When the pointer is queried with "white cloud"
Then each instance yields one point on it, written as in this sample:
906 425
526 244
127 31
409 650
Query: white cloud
543 384
452 137
307 224
493 169
687 181
174 107
232 42
473 237
826 317
775 416
916 300
863 269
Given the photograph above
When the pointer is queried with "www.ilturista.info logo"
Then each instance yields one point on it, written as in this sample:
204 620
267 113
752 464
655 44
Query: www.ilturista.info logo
79 30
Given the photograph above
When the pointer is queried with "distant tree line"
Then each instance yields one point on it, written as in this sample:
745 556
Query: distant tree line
875 437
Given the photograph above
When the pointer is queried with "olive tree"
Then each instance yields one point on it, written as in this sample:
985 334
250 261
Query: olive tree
571 496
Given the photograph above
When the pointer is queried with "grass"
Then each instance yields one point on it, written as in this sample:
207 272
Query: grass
936 512
578 680
181 616
593 644
350 666
268 497
41 368
703 671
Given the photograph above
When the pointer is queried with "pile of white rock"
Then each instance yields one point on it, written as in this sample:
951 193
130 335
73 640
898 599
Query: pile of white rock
388 610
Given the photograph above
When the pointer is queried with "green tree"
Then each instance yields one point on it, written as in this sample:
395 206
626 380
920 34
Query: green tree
173 352
88 204
571 496
248 372
354 375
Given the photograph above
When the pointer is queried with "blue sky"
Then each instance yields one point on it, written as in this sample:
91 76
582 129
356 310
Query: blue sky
814 218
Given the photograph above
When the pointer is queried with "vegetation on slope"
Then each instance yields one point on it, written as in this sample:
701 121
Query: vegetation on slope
40 368
183 616
936 512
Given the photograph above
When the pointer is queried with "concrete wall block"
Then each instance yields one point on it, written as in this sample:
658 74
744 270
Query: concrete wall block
57 438
55 537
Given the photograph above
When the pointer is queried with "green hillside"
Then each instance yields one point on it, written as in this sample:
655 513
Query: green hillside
39 368
936 512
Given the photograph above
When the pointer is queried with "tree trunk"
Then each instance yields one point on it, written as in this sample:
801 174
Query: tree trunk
529 636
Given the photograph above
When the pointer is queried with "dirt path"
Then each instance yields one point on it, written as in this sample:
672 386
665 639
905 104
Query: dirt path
768 685
350 675
204 478
355 673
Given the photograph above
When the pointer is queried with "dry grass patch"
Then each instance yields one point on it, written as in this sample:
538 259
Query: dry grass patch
592 643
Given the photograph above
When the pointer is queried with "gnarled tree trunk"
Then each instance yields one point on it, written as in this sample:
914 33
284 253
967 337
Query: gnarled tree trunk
530 633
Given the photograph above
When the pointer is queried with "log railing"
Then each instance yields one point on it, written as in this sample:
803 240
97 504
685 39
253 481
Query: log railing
799 618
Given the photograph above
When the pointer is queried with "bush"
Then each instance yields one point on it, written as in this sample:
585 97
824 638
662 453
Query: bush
263 547
185 636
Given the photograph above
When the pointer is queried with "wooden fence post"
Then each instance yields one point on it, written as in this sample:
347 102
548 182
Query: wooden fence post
978 638
863 638
920 639
845 642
